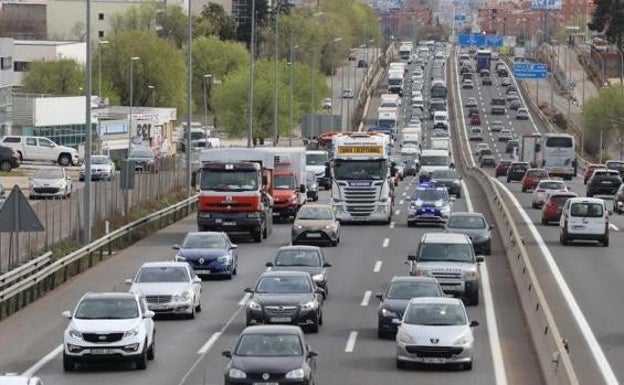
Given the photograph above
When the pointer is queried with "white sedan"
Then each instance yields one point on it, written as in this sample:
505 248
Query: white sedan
544 189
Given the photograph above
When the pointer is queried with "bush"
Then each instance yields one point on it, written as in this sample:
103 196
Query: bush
560 121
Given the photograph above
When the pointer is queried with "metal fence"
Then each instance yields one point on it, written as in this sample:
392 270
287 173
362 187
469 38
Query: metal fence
63 219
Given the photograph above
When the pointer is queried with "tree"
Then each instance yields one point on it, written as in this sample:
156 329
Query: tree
604 117
608 18
215 21
61 77
161 64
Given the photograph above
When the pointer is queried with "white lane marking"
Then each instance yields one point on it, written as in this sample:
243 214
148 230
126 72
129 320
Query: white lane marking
377 267
366 299
244 299
44 361
404 193
613 227
211 341
386 242
467 197
392 225
590 338
351 342
397 212
401 201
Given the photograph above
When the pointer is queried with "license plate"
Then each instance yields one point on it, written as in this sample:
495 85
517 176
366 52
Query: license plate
265 383
280 319
229 223
218 220
606 182
202 271
578 227
102 351
158 306
314 235
434 360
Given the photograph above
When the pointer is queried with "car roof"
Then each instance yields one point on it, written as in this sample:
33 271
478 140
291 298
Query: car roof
19 380
116 294
300 247
586 200
273 329
445 238
165 264
564 194
520 163
285 273
436 300
204 233
411 278
466 214
536 169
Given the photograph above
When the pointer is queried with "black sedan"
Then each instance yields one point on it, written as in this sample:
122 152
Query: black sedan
447 178
475 226
303 258
396 297
487 161
276 354
618 200
285 297
516 171
209 253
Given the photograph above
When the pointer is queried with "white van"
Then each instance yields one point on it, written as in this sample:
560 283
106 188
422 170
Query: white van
20 380
585 219
440 120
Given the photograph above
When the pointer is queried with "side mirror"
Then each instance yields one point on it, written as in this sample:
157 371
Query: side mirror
248 290
474 323
149 314
196 279
411 258
269 264
312 354
128 281
233 246
176 247
379 296
327 264
480 258
491 227
452 199
68 177
319 290
396 321
67 314
226 353
265 180
302 188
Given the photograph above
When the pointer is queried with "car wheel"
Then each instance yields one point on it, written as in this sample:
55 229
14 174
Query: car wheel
534 205
605 241
488 249
467 366
229 275
141 362
508 180
473 298
314 328
235 270
6 166
400 364
333 243
524 189
544 221
198 307
64 160
68 363
151 353
616 208
257 235
563 238
191 315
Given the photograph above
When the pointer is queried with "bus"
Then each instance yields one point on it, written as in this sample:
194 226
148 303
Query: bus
484 59
558 155
438 89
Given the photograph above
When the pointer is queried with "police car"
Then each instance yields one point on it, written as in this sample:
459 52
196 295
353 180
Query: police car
429 204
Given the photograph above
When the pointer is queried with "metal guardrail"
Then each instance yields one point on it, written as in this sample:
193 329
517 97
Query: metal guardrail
24 270
549 345
48 276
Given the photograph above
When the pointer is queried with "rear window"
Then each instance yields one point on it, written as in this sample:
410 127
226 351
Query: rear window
498 102
536 173
592 210
560 200
559 142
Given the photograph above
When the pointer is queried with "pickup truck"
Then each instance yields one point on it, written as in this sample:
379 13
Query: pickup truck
38 148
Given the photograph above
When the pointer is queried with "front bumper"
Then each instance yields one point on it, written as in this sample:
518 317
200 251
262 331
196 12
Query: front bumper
421 215
381 213
173 307
47 192
257 379
436 355
96 175
83 351
296 316
314 235
229 222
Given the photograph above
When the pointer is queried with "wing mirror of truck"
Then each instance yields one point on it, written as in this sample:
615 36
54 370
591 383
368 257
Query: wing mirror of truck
302 188
265 180
411 257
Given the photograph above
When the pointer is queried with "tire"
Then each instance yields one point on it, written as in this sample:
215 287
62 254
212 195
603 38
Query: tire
191 315
314 328
265 232
333 243
68 364
257 236
467 366
6 166
487 250
605 241
229 276
141 362
235 270
151 352
64 160
563 238
400 364
382 335
616 209
544 221
533 205
524 189
508 180
473 298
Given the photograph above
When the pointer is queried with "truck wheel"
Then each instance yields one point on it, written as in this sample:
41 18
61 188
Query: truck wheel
265 232
473 298
6 166
257 235
64 160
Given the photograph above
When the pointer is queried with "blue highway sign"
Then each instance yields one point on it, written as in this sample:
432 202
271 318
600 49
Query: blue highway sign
460 17
530 70
473 39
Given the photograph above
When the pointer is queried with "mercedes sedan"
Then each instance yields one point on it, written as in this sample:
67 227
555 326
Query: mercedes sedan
271 354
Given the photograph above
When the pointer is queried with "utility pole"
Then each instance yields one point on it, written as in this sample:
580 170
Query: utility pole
88 131
252 51
276 59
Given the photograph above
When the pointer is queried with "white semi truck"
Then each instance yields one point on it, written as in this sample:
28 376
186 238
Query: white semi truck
361 189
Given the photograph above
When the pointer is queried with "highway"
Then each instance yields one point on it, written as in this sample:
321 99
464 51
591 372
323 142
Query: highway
588 270
188 352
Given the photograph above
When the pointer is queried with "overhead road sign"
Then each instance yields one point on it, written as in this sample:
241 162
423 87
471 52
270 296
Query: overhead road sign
530 70
473 39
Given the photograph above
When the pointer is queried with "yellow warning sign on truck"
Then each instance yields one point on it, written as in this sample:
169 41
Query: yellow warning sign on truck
360 150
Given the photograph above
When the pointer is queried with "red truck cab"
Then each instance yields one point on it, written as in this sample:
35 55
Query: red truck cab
286 189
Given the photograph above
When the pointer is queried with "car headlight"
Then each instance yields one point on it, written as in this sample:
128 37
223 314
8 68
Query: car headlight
471 274
404 337
224 259
331 227
296 374
236 373
317 277
422 272
298 227
254 306
75 333
131 333
308 305
184 296
389 313
180 258
465 339
293 198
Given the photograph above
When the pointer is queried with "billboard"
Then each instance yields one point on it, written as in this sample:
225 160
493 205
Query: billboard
546 5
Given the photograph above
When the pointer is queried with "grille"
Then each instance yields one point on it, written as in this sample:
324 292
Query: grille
273 377
280 310
446 275
46 190
360 201
158 298
434 351
232 205
102 338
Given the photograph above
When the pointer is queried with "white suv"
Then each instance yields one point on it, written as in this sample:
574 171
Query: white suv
109 327
586 219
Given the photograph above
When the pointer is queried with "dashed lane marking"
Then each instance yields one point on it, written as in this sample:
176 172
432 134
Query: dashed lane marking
377 267
366 299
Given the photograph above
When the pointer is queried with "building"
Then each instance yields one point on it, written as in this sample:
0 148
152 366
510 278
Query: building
6 84
23 19
28 51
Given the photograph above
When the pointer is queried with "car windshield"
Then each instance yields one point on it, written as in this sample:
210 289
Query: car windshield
223 180
315 213
593 210
49 173
429 195
360 169
552 185
430 314
444 174
538 173
162 274
447 252
142 154
269 345
407 290
466 222
204 241
107 308
316 159
309 258
520 167
284 182
429 160
283 284
99 160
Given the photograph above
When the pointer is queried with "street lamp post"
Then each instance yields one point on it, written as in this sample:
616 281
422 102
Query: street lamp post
127 181
333 65
100 44
252 51
189 101
292 93
205 79
276 58
153 92
88 131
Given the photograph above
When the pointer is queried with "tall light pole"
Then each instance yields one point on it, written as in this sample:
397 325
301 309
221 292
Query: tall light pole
127 181
275 60
88 132
252 51
333 65
100 44
205 79
291 64
153 92
189 106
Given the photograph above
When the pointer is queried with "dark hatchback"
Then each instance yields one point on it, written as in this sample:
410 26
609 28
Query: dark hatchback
396 298
209 253
449 179
285 297
9 159
516 171
475 226
303 258
502 167
144 159
275 354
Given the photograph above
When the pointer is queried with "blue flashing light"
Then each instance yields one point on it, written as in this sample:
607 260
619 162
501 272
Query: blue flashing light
425 184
